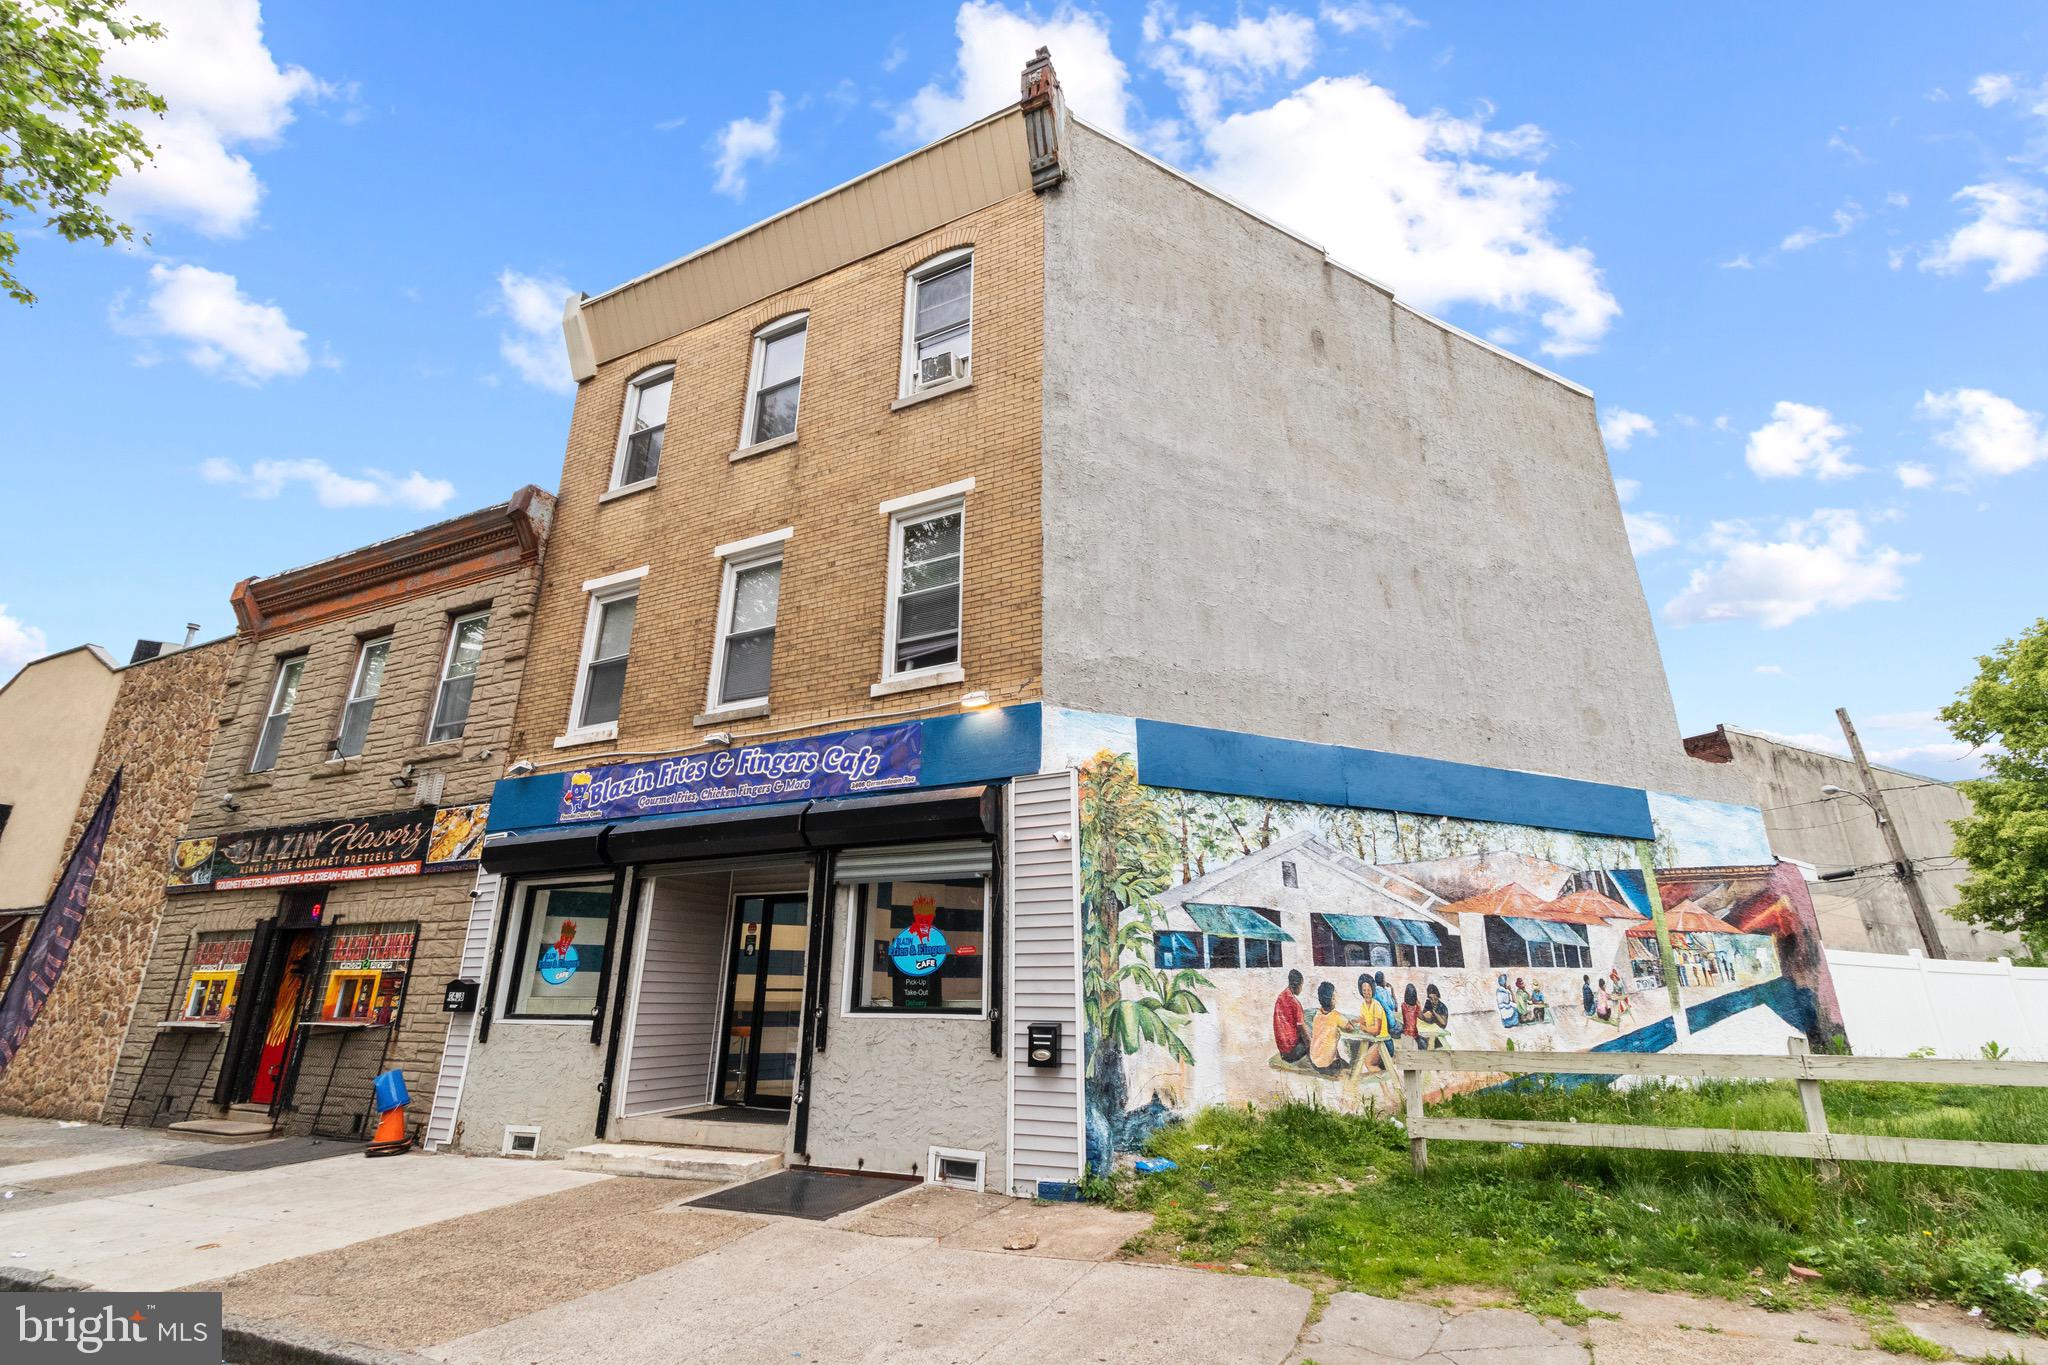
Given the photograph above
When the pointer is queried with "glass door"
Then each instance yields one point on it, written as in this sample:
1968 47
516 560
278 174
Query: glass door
764 1001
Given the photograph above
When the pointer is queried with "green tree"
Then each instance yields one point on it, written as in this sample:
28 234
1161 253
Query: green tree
62 137
2003 714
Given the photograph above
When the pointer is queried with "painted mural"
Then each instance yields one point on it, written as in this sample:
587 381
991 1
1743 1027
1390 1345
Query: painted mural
1239 949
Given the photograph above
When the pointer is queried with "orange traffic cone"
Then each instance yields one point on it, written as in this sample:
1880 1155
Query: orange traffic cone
390 1138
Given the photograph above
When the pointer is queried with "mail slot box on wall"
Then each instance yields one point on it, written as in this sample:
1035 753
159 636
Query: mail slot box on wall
458 997
1042 1044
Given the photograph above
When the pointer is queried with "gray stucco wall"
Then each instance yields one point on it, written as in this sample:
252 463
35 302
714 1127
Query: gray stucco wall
1275 501
527 1073
887 1088
1785 781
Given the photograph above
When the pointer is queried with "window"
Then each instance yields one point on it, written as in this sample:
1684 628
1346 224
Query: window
777 380
350 995
1381 941
1173 949
1288 875
924 590
918 945
284 695
745 653
640 431
458 676
362 697
938 321
561 959
601 682
211 996
1239 935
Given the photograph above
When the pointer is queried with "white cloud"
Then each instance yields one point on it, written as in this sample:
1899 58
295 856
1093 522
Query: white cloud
1819 563
746 140
1993 88
1413 200
1994 435
995 41
1897 199
1845 218
331 488
1800 439
1849 150
533 304
224 331
1386 21
1769 670
1903 720
1648 532
2006 234
1620 427
1206 64
19 643
1739 261
225 93
1913 475
1946 760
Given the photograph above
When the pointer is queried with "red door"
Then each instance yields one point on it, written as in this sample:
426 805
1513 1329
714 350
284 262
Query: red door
284 1015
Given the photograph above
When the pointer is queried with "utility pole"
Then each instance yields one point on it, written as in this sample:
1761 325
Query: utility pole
1930 933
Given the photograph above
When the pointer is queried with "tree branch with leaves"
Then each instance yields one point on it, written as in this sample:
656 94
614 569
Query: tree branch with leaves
2003 714
63 137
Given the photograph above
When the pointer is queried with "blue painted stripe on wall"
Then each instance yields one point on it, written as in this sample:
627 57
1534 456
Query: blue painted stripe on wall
1237 764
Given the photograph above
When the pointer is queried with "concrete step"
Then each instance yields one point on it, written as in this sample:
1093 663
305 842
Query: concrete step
709 1129
673 1163
224 1130
250 1113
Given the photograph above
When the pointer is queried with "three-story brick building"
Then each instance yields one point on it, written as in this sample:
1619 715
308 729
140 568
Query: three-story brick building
315 905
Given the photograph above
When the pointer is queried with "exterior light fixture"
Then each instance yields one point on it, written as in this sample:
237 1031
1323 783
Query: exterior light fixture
974 701
228 802
521 767
402 778
719 738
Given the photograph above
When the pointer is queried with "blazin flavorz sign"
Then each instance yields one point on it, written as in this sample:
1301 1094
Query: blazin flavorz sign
793 770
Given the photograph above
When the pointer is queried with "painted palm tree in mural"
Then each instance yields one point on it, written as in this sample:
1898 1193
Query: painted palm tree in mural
1128 1002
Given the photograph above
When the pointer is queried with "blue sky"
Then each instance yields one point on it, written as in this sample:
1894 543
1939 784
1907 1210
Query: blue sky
1799 252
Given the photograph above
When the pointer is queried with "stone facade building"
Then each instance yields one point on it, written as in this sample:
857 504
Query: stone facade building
314 905
156 737
895 526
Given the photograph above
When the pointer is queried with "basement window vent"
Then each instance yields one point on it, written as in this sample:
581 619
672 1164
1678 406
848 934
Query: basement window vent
955 1170
521 1140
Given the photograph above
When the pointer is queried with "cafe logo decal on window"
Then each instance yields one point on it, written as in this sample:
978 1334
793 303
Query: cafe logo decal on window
558 959
921 949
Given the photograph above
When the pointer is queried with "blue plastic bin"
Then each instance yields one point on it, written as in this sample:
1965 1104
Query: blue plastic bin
391 1093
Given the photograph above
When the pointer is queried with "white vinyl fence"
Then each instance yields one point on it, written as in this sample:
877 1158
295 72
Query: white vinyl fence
1895 1006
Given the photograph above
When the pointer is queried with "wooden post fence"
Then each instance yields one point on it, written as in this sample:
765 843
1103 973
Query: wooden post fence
1815 1142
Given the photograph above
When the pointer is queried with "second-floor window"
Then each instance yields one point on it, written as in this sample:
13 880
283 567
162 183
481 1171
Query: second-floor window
458 676
938 321
924 588
362 697
777 380
746 631
284 695
602 683
639 454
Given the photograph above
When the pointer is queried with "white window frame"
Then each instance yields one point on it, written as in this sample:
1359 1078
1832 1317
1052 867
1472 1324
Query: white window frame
903 512
355 683
938 265
736 558
599 591
774 331
455 624
639 381
270 711
935 1157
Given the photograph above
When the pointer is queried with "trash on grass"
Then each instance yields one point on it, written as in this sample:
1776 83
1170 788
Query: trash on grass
2028 1281
1152 1165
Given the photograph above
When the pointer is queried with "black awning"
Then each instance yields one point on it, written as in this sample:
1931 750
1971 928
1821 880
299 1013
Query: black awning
792 827
708 834
562 849
902 817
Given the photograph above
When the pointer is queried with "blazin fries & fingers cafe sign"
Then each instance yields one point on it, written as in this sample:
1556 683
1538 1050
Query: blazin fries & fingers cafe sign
392 844
845 764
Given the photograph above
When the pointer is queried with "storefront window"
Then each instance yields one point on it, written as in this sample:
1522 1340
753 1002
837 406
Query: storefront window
216 973
919 945
562 937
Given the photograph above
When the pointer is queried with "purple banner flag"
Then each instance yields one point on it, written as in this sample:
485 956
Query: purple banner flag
49 946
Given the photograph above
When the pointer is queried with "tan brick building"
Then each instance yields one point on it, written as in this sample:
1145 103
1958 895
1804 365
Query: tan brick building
313 907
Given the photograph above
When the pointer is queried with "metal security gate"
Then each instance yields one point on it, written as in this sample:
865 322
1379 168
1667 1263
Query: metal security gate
347 1024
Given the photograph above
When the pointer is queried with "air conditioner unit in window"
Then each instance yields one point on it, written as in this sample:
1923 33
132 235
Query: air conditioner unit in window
940 368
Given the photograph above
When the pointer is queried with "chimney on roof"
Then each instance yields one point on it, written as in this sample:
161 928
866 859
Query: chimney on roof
1044 111
191 634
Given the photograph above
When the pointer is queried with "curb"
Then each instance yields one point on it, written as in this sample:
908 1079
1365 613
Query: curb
245 1341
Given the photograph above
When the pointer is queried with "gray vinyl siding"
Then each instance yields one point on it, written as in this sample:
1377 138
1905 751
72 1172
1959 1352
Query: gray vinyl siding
675 1020
1045 980
476 947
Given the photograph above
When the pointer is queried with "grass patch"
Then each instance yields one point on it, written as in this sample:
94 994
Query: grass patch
1905 1342
1304 1191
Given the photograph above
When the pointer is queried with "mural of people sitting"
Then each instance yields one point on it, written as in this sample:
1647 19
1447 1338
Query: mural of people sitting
1208 917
